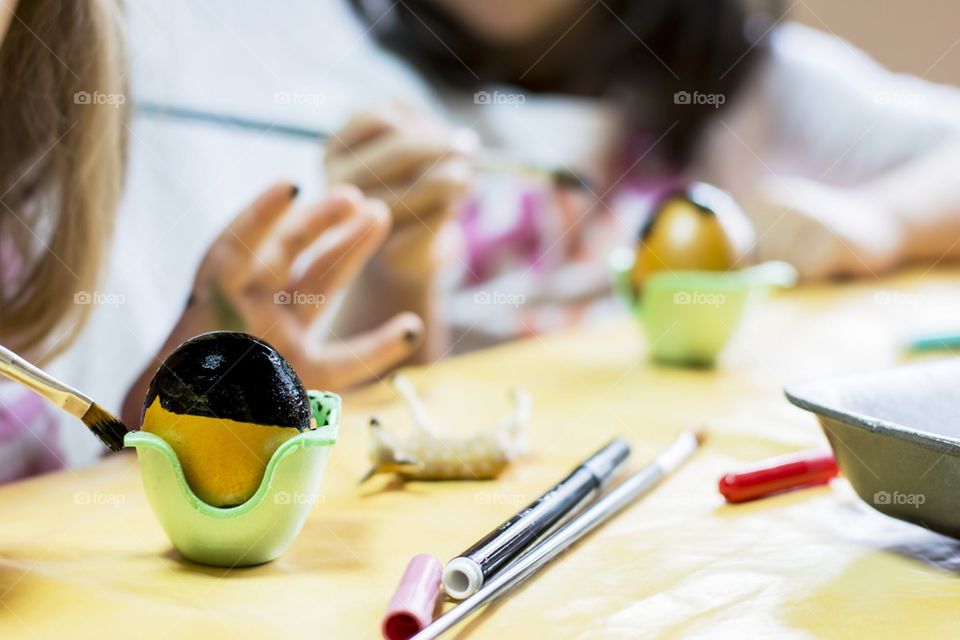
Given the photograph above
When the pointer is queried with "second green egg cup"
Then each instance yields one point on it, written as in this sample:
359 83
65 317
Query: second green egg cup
689 317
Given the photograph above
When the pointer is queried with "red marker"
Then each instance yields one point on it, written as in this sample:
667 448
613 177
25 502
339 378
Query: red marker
775 475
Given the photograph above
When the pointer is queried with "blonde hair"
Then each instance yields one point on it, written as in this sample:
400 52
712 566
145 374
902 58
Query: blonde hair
62 125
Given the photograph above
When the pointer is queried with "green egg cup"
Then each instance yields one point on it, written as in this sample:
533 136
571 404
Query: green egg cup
260 529
689 317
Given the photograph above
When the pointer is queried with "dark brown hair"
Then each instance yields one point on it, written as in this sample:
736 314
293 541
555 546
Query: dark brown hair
642 51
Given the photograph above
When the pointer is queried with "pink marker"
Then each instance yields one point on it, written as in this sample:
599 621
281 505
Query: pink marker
413 603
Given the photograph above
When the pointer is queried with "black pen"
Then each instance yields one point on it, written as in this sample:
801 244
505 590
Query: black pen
465 574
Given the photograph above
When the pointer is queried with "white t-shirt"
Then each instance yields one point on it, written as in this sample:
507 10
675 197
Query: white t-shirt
824 110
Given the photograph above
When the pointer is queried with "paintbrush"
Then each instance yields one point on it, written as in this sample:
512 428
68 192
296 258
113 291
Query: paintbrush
489 159
101 422
635 486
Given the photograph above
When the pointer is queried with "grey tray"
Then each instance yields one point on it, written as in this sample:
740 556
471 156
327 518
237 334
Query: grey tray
896 437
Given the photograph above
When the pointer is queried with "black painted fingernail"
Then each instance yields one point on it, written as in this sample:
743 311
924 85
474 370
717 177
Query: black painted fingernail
294 190
410 336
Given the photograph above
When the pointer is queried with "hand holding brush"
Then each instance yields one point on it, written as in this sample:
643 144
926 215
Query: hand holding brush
101 422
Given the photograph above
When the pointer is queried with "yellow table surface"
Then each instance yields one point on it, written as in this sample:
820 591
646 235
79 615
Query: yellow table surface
81 555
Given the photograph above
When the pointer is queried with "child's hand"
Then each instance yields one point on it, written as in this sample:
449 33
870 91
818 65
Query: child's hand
274 271
419 166
825 231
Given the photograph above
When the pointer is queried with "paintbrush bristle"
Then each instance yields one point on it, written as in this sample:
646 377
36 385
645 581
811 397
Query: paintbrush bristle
570 179
105 426
700 435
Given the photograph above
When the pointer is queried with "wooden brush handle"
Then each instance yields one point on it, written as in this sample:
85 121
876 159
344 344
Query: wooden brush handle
41 382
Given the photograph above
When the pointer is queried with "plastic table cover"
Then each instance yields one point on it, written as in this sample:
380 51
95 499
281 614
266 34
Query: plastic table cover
82 556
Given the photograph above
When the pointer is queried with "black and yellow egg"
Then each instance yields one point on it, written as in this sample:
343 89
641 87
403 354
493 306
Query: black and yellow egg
225 401
699 228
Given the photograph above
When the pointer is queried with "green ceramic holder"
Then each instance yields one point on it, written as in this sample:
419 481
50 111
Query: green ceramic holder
690 316
261 528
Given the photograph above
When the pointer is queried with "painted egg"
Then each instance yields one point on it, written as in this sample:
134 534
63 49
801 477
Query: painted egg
700 228
225 401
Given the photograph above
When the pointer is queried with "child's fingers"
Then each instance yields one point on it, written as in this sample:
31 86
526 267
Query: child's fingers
416 248
363 127
370 354
397 155
234 250
299 232
340 261
368 124
439 187
386 158
253 224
